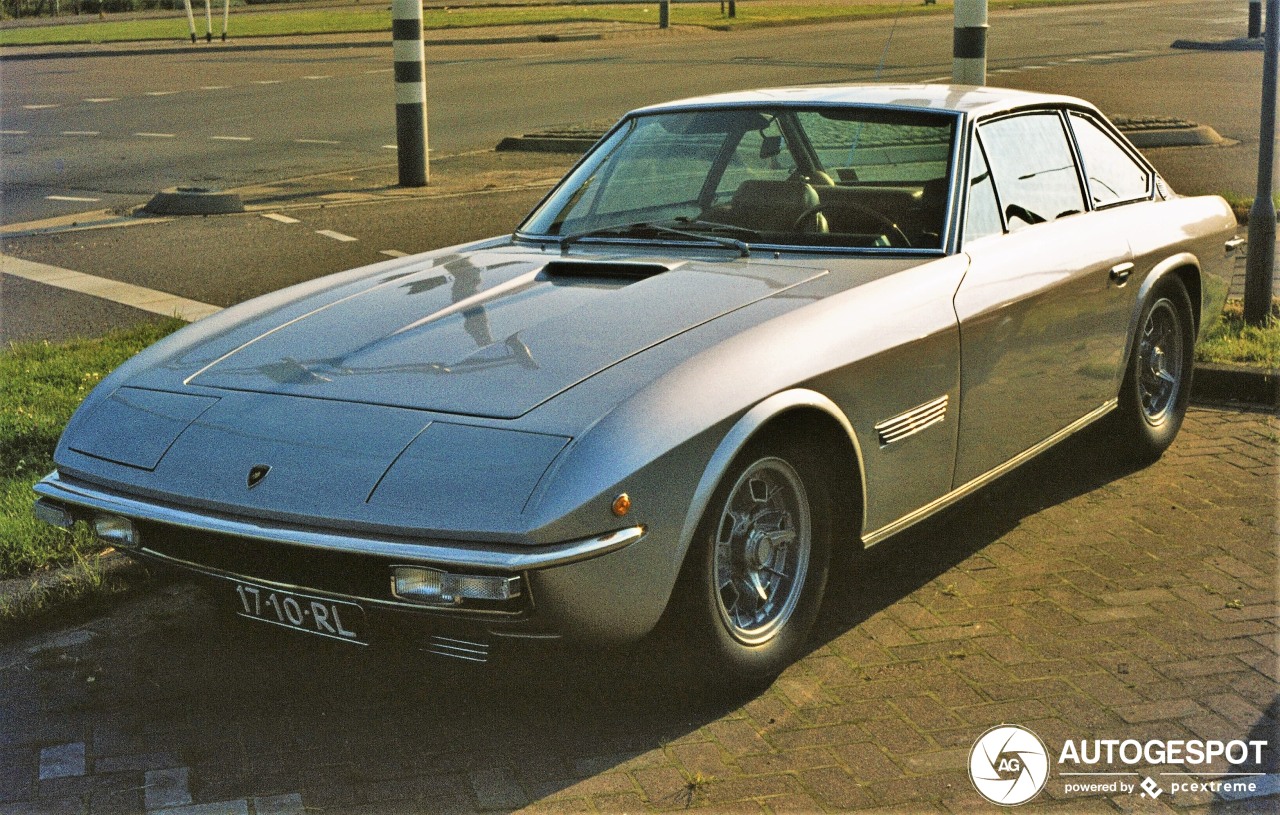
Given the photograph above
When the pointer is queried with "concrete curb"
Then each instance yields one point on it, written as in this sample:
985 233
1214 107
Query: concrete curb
55 593
1240 44
1217 382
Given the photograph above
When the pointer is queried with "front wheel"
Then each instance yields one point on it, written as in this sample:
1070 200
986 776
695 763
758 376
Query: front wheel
1157 382
759 566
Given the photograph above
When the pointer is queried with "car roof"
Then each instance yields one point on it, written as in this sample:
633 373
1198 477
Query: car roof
968 99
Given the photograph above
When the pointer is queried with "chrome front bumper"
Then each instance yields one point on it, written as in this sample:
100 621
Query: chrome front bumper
582 589
457 555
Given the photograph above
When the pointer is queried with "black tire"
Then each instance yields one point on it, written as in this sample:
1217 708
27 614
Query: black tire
1157 380
757 568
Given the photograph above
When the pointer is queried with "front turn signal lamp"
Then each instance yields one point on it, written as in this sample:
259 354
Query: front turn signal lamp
433 587
115 530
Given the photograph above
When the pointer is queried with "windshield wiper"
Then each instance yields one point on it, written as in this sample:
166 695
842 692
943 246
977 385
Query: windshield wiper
662 229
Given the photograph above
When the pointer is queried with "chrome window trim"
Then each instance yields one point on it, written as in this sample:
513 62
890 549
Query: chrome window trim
1108 130
502 558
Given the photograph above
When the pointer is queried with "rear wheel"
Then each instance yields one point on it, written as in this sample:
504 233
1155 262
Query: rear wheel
1157 382
759 566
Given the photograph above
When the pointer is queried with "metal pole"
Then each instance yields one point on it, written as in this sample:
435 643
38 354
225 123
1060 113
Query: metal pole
226 12
664 14
969 47
733 8
191 19
1255 19
208 20
411 92
1259 269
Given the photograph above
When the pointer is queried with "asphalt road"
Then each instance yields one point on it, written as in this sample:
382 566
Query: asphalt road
85 133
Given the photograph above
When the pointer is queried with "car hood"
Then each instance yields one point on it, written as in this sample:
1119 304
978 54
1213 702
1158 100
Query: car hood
491 333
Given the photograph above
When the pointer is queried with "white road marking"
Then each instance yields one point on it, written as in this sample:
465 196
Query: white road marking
1033 67
157 135
81 132
231 138
934 79
267 81
380 71
156 302
393 253
324 76
214 87
39 107
316 141
284 219
1005 71
99 99
337 236
13 132
160 93
390 147
71 198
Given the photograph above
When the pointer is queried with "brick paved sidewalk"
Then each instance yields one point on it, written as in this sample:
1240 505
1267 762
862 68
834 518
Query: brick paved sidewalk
1078 599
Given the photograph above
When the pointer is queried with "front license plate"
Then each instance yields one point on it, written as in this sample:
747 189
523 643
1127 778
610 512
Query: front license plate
313 615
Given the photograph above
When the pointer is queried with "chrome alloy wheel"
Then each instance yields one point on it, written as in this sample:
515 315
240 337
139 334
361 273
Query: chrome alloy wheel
762 547
1160 362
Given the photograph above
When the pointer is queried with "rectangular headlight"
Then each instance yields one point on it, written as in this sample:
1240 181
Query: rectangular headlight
434 587
115 530
51 513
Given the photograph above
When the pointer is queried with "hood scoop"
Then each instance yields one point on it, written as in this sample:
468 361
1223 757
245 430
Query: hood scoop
609 269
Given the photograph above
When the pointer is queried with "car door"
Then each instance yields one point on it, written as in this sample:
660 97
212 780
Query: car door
1042 309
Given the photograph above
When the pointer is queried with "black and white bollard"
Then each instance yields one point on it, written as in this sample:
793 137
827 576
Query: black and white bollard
969 48
411 91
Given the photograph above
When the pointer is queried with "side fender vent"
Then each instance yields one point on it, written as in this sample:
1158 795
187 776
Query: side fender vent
913 421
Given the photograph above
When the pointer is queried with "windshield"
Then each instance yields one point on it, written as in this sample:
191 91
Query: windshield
813 177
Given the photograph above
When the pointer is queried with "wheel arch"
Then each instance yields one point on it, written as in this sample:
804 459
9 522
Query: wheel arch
1185 268
802 411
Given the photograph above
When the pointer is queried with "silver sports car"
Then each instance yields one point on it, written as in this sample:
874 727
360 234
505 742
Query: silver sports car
745 332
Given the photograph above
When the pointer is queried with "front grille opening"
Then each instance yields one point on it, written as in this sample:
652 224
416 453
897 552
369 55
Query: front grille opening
344 573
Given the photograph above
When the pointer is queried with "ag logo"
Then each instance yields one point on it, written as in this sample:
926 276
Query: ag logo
1008 765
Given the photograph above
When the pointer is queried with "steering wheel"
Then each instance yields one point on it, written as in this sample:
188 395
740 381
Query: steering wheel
891 228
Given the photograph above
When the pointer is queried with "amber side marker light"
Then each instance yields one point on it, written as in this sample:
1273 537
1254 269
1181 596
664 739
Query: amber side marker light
621 505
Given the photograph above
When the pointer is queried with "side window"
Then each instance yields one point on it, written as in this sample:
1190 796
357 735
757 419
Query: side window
1112 174
1034 169
982 216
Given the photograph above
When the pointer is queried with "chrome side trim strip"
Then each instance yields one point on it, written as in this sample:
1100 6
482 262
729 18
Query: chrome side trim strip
459 555
955 495
912 421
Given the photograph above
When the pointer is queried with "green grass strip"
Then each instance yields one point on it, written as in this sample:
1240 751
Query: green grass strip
1230 340
43 385
342 21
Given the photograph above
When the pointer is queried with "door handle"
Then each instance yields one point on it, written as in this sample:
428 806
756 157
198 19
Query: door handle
1120 273
1234 244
